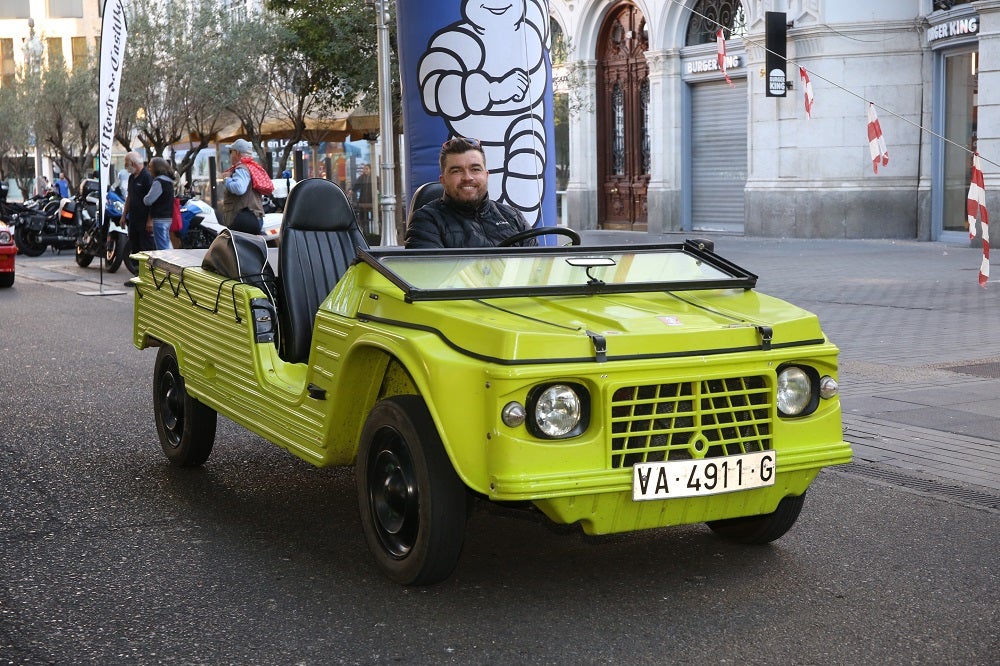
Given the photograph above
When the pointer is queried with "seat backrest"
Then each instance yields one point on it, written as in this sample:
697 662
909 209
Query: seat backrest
319 240
422 196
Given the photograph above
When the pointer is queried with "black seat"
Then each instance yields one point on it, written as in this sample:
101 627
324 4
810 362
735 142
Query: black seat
319 240
422 196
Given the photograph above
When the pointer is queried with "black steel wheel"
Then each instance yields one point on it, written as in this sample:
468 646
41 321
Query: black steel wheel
413 504
756 530
27 242
115 250
186 427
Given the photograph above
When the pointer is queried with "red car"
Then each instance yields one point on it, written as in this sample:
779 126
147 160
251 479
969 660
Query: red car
7 252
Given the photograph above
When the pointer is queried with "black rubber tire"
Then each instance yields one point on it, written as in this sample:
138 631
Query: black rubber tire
28 243
115 251
6 280
573 236
757 530
83 259
186 427
413 505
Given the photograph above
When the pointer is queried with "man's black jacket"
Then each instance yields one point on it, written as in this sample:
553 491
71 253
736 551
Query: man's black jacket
447 223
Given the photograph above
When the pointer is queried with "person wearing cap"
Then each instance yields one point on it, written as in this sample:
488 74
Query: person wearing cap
242 206
464 216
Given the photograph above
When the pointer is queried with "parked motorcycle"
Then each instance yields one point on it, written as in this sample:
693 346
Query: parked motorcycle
199 224
42 224
96 237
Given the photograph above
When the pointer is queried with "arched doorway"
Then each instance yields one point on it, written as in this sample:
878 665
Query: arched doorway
623 150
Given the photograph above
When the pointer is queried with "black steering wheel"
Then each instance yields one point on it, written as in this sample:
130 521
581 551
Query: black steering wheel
541 231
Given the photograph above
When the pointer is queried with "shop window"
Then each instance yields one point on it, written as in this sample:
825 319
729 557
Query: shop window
709 15
65 8
15 9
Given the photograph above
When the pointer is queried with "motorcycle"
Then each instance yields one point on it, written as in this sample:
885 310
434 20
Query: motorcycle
96 237
199 224
42 224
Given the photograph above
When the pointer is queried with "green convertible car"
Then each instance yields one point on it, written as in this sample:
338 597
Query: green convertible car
620 388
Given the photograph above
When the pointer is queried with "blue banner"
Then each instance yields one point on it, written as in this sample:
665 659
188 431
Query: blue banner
481 70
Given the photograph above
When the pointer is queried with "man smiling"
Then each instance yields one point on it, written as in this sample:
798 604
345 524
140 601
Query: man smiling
464 216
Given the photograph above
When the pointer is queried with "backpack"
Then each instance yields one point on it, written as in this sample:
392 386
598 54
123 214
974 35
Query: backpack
175 221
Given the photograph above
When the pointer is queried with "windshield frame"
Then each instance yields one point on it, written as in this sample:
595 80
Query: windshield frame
736 276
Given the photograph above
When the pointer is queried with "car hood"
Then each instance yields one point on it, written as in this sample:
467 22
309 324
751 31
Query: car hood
608 327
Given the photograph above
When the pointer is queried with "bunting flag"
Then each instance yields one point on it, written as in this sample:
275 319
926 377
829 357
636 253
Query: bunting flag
975 206
720 45
807 87
876 144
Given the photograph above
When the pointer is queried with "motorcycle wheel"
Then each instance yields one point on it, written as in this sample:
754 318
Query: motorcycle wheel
82 258
27 242
115 251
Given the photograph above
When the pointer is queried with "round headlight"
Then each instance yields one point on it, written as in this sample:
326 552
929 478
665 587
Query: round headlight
5 237
794 391
557 410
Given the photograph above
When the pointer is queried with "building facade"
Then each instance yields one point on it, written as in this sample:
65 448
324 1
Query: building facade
659 141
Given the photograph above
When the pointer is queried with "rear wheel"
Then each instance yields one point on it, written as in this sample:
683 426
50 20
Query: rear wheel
756 530
413 505
185 426
27 242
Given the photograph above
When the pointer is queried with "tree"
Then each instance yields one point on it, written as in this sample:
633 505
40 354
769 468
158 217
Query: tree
65 117
16 149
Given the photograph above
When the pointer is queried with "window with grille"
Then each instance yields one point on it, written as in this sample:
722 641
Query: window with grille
710 15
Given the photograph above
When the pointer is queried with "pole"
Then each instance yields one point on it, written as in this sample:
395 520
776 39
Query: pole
387 168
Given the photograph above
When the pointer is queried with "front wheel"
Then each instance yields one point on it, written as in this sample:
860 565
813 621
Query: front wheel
185 426
83 258
115 250
6 280
756 530
413 505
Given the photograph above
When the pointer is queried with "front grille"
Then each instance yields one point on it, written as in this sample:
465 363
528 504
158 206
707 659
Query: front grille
697 419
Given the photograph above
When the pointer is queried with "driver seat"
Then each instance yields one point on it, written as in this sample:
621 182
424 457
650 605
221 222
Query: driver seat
422 196
319 240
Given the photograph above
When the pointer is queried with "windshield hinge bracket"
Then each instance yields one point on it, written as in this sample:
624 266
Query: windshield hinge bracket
600 346
766 334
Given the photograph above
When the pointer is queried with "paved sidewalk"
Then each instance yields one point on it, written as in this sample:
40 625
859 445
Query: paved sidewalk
919 341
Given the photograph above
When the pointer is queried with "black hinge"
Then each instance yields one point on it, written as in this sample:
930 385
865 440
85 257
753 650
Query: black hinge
766 334
600 346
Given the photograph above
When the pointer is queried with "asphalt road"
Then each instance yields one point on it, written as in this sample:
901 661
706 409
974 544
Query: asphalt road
110 556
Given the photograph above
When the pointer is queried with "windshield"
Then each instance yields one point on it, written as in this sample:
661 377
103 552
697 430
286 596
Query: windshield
507 272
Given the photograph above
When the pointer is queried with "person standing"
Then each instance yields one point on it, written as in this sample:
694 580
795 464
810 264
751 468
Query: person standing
62 185
140 229
244 184
363 193
160 200
464 216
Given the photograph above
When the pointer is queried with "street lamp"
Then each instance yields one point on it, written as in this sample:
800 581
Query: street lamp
33 55
388 189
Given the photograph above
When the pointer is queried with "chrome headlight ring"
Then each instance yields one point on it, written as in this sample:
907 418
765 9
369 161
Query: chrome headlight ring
797 390
558 410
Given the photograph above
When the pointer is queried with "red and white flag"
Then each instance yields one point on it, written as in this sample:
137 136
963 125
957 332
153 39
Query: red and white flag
975 206
720 47
876 144
807 87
